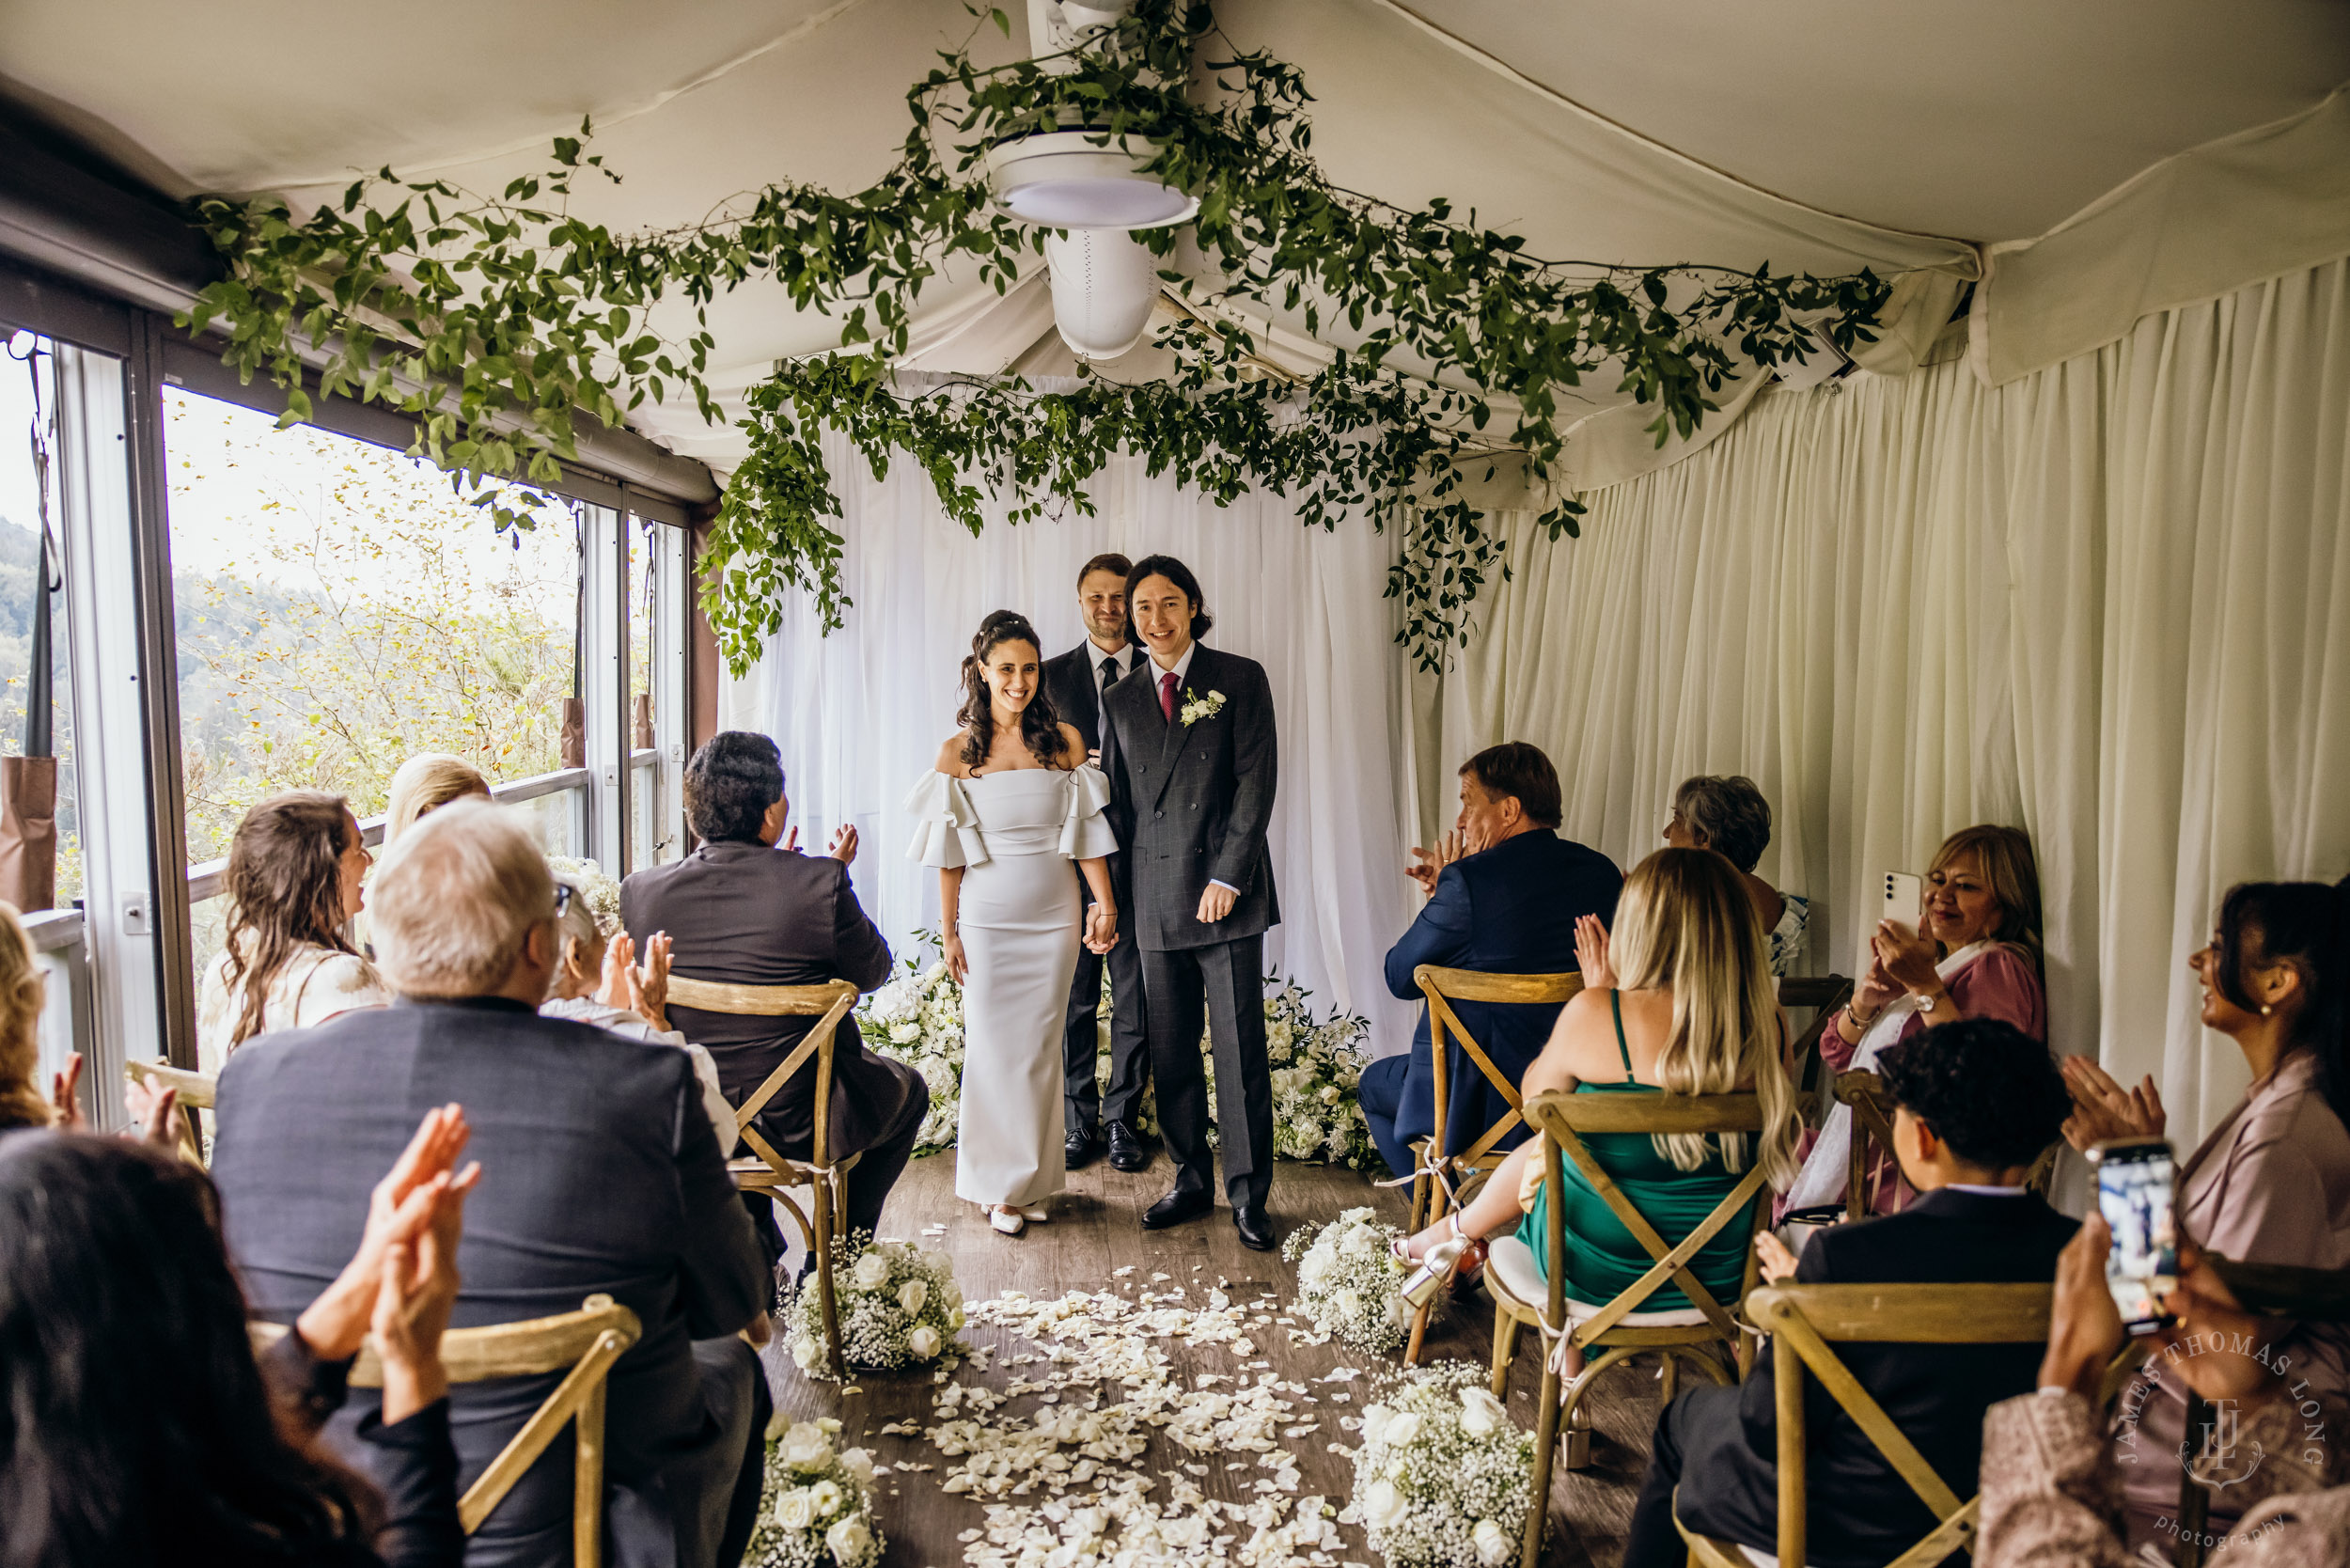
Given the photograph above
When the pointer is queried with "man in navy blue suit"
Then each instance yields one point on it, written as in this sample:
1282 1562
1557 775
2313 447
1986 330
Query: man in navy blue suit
1504 892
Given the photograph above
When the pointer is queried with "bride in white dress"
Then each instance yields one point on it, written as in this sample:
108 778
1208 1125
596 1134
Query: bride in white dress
1010 804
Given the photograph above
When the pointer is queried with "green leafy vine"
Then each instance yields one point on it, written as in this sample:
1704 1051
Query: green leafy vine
498 322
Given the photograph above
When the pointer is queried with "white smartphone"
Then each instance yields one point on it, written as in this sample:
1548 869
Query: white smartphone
1905 898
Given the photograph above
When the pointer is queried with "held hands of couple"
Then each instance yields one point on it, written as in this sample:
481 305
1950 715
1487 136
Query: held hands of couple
2085 1327
1100 933
403 1280
2102 1108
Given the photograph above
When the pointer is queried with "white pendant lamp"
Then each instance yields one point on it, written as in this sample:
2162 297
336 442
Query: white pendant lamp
1080 179
1103 285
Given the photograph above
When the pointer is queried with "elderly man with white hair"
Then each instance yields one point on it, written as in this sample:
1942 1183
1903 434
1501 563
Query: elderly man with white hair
608 1179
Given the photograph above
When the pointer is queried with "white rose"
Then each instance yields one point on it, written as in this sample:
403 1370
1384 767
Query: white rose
804 1351
1330 1094
912 1295
1493 1547
1375 1420
859 1464
794 1509
871 1272
1315 1266
1346 1304
826 1496
1383 1506
905 1033
923 1341
848 1540
1481 1415
1402 1430
806 1447
954 1316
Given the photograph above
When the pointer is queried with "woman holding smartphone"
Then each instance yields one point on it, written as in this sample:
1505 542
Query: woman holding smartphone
2271 1185
1974 953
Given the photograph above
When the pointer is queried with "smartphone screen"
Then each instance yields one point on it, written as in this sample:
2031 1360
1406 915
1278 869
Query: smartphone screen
1904 896
2136 1180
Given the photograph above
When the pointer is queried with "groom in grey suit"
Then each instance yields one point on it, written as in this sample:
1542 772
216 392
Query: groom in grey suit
1194 765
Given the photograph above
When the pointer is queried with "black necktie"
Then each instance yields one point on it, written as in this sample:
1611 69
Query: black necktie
1109 668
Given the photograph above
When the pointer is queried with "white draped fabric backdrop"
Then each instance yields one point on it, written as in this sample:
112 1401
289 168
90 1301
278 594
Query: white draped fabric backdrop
2108 601
860 714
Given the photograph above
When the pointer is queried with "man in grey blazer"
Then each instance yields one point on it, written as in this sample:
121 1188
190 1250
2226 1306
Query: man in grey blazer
604 1179
1196 763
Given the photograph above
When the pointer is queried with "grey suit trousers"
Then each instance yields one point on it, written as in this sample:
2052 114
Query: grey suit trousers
1221 986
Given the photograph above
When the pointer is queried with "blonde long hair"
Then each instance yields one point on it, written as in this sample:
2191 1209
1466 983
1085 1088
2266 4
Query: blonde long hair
2012 874
22 1103
1686 924
425 782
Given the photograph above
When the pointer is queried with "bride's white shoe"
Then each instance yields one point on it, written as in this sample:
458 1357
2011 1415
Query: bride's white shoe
1008 1221
1036 1213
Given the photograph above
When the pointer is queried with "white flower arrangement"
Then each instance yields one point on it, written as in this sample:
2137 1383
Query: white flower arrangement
818 1506
1197 707
1349 1280
602 893
1443 1475
898 1305
1316 1063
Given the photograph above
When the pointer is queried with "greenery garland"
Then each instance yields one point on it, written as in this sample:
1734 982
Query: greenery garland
498 322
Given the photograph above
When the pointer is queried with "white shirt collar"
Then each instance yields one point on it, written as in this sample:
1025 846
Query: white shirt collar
1124 657
1182 665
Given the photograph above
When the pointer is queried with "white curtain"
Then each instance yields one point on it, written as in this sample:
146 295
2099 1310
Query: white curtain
861 714
2108 602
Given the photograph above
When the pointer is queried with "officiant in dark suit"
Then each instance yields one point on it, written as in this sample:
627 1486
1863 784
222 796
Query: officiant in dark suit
1191 737
1075 682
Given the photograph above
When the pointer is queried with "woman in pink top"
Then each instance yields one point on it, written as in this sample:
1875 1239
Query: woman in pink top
2271 1185
1976 954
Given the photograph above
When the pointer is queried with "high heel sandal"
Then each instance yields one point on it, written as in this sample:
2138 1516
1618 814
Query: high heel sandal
1455 1261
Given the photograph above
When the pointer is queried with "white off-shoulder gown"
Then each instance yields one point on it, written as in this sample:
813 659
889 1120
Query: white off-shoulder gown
1015 835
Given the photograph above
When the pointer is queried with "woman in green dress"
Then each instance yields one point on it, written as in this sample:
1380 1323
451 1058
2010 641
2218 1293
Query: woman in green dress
1679 998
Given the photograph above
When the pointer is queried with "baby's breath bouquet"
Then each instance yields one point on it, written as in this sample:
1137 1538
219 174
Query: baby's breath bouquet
1443 1477
602 893
818 1506
898 1305
917 1019
1317 1063
1349 1280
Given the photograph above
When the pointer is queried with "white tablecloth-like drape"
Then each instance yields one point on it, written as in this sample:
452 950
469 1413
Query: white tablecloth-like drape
2108 600
860 714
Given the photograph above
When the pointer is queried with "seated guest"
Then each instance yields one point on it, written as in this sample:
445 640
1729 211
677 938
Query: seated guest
1975 953
137 1436
425 783
2051 1497
1504 892
2271 1185
1729 817
606 1180
744 912
597 981
22 1103
1976 1102
1679 997
296 866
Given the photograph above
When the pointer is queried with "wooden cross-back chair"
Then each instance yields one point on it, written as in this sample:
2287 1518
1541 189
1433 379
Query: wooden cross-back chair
1824 994
1804 1322
769 1171
199 1091
1872 1124
2272 1290
583 1345
1443 1180
1703 1332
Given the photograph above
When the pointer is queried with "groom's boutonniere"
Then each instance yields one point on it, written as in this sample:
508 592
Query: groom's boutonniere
1197 707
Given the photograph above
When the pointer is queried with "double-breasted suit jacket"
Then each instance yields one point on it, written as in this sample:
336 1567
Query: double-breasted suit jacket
1199 798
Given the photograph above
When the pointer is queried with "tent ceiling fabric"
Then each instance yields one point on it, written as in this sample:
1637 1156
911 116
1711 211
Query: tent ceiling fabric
1816 135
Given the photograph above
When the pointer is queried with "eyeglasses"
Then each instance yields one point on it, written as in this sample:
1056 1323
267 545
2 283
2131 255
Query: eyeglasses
563 898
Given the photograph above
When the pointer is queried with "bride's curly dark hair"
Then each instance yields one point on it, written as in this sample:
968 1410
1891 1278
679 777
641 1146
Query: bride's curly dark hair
1040 721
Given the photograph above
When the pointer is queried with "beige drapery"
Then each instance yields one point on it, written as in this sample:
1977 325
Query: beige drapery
2108 600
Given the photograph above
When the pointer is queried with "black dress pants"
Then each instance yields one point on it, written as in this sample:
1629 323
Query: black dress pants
1087 1106
1715 1497
1220 987
867 1185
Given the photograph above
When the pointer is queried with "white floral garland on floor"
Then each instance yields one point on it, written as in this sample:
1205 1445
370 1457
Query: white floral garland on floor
1316 1063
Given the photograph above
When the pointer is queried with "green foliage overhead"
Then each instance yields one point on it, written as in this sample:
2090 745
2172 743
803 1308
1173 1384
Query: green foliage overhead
498 321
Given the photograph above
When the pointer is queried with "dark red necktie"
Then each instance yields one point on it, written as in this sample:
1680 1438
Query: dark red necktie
1166 696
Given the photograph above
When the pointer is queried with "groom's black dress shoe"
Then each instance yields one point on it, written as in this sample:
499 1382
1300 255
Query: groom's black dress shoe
1127 1150
1255 1226
1083 1150
1177 1207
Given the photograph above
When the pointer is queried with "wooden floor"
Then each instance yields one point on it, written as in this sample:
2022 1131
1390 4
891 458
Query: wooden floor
1095 1232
